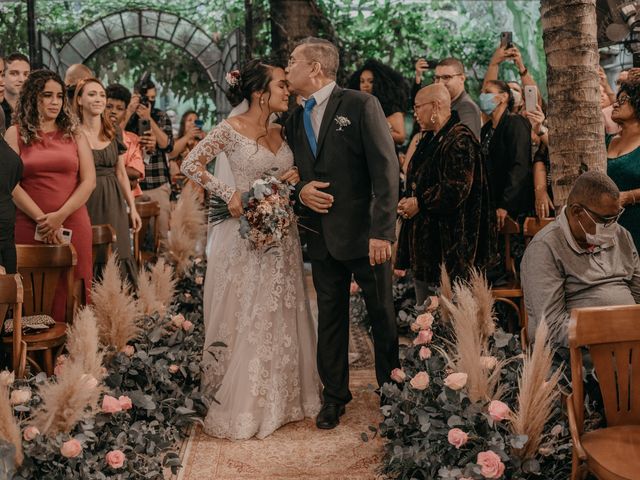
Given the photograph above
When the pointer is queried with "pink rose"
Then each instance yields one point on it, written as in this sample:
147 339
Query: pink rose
71 448
115 458
187 295
178 320
488 362
457 437
434 302
30 433
20 396
129 350
398 375
491 465
111 404
423 337
423 322
456 381
187 325
199 280
173 368
425 353
125 402
498 410
420 381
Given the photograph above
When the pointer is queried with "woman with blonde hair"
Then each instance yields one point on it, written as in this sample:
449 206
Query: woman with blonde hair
108 202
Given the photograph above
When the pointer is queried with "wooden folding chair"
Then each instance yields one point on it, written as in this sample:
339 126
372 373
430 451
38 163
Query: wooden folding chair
511 293
147 211
104 236
532 225
41 268
612 336
11 297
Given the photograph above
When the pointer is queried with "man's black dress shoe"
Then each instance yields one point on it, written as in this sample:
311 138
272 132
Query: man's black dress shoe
329 416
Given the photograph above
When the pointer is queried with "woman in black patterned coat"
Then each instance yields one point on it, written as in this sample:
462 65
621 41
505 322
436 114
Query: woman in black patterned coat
446 214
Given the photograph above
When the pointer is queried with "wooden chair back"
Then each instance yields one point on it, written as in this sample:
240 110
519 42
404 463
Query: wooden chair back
11 297
532 225
104 236
147 211
41 267
509 228
612 335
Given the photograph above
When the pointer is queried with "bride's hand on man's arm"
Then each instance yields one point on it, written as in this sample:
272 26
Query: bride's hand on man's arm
291 176
235 205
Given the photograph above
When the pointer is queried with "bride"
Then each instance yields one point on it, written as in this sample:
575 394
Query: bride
260 344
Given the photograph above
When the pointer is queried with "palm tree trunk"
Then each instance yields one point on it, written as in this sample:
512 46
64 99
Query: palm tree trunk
576 129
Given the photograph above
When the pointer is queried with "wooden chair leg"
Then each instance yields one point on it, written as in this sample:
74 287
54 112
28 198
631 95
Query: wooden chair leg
48 362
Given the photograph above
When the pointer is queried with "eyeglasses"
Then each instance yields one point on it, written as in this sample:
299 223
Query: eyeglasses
292 61
445 78
622 99
416 106
605 221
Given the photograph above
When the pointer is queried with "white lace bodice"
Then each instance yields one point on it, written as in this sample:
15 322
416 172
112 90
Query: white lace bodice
249 160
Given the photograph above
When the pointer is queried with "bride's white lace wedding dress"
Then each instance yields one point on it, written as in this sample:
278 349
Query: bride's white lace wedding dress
254 303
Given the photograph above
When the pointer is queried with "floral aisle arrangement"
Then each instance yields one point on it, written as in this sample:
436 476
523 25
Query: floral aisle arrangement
468 403
123 396
268 212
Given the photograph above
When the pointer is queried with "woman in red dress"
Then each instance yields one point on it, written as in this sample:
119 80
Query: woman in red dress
58 175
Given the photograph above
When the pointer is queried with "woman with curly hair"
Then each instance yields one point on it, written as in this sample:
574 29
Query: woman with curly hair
390 88
623 154
58 175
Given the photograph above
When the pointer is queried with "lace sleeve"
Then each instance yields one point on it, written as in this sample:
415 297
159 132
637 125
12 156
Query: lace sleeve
218 140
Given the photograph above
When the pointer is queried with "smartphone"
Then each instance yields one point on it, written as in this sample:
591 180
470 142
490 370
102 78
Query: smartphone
506 39
431 63
144 126
199 124
66 235
530 98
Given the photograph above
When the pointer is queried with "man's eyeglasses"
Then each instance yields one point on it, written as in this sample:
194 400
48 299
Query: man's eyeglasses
292 61
604 221
445 78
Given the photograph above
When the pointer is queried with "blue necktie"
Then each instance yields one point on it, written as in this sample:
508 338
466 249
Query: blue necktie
308 126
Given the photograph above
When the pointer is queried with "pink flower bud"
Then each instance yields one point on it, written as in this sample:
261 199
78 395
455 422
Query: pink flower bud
434 303
456 381
425 353
187 325
125 402
423 337
129 350
499 411
173 368
398 375
457 437
423 322
71 448
178 320
420 381
30 433
111 404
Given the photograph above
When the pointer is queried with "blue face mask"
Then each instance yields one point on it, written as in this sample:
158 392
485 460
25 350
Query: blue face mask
488 103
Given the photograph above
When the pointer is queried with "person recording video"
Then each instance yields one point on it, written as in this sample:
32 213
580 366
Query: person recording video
142 117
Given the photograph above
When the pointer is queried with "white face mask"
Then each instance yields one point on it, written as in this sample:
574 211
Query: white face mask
604 236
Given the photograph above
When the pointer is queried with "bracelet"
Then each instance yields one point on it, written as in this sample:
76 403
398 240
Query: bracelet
524 72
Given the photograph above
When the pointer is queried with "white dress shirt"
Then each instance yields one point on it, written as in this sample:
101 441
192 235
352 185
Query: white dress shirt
322 98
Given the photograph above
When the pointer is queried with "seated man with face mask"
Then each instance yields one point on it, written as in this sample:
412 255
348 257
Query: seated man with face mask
582 259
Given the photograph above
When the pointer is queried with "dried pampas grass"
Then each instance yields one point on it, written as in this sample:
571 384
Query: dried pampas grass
446 292
9 429
484 300
470 346
187 229
71 399
82 342
115 309
538 392
156 288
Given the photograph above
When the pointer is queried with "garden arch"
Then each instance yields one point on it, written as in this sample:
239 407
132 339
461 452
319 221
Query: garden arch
148 23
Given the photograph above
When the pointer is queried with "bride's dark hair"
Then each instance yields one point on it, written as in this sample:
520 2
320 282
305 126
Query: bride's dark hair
255 76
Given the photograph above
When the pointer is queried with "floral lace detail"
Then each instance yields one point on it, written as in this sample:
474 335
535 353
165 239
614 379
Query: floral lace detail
256 304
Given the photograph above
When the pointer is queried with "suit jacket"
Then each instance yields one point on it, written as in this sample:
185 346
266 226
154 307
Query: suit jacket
356 156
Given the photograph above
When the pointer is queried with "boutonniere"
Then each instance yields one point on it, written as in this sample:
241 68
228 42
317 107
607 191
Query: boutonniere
342 122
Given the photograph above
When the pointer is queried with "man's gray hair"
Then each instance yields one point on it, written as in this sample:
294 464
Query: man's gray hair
590 186
324 52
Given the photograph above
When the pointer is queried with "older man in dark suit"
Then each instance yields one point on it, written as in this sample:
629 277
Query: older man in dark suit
349 184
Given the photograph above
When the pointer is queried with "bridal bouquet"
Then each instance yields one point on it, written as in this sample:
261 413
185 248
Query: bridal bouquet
268 212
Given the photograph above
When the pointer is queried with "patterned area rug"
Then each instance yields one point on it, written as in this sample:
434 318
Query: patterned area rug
300 451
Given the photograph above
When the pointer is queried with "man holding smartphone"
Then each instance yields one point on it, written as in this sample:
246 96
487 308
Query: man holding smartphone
144 119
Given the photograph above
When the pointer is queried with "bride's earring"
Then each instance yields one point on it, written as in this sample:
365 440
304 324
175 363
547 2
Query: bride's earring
261 101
